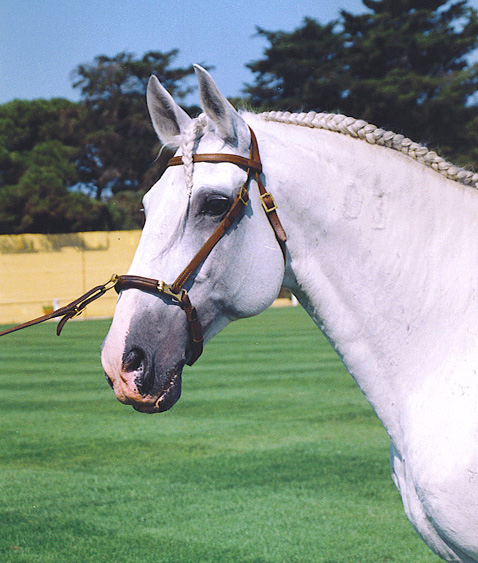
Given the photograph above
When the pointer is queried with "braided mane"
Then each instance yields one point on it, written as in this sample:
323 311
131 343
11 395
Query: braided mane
360 129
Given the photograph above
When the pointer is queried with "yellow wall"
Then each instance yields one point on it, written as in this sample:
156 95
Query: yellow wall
37 269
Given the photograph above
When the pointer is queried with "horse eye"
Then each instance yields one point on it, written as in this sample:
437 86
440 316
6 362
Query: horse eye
215 205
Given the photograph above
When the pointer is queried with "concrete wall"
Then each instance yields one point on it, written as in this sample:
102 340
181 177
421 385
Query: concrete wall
36 270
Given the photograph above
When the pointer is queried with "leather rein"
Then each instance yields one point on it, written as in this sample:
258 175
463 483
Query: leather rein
175 292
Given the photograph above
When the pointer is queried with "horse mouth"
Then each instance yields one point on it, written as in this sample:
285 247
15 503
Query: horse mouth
160 398
168 396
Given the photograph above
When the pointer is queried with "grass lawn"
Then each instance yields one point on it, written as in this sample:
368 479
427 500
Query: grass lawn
271 456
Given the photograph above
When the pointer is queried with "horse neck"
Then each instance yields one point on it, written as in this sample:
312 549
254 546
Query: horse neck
383 256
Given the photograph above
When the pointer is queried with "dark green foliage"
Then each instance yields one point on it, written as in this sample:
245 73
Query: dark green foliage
38 125
301 69
67 166
39 147
402 65
125 209
121 145
408 69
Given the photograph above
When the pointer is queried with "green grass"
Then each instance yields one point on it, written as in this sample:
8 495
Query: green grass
271 456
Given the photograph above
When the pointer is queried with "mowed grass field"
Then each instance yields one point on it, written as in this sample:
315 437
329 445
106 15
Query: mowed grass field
271 455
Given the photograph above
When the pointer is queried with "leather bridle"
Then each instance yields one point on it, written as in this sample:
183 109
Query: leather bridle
175 292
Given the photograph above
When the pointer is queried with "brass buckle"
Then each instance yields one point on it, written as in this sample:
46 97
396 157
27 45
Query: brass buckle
268 209
165 289
243 195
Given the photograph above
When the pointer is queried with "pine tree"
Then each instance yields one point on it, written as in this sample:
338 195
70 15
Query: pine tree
301 69
402 65
119 148
409 69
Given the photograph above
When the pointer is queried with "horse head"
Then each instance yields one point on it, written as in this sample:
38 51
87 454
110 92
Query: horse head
149 340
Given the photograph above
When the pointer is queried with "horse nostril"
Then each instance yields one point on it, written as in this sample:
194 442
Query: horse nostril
133 359
136 361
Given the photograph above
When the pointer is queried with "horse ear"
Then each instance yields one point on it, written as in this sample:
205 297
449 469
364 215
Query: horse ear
168 119
228 124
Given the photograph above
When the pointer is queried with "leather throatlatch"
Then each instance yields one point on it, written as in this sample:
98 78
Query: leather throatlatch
175 292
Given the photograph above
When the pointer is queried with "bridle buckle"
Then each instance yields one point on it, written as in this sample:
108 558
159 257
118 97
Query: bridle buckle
77 312
165 289
243 195
268 202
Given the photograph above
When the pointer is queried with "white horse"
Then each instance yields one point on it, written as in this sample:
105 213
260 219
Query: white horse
382 252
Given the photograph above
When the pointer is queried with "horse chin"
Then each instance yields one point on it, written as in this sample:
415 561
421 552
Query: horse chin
158 399
166 399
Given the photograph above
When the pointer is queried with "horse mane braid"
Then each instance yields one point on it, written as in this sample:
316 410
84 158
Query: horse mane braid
360 129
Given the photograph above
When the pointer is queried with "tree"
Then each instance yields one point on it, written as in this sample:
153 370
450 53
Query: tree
302 69
121 145
409 71
40 203
26 124
402 65
56 154
39 144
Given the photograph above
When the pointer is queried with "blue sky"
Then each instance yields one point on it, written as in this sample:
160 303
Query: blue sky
42 41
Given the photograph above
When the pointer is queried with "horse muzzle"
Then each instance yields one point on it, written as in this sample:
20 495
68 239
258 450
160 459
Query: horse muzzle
143 385
146 391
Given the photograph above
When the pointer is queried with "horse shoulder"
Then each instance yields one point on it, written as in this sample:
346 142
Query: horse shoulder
435 468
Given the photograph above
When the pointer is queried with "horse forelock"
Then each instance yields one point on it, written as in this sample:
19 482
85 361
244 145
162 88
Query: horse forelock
360 129
189 142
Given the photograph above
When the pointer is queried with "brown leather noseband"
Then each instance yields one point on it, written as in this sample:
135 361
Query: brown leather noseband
175 292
